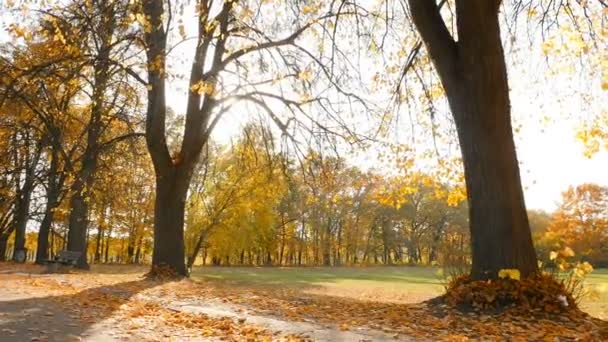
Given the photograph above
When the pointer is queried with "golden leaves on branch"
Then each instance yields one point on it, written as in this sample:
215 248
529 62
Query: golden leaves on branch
203 87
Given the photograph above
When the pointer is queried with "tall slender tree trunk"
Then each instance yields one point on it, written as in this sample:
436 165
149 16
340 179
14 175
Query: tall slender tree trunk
78 221
3 246
474 76
98 243
140 241
327 244
22 214
52 201
107 243
197 248
283 238
21 218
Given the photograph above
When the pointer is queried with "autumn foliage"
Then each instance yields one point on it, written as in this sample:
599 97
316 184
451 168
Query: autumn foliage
579 223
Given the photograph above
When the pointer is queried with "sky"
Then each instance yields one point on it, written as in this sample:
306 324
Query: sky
551 157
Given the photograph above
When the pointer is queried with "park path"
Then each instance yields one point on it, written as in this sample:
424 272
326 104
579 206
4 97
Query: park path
29 313
307 330
29 316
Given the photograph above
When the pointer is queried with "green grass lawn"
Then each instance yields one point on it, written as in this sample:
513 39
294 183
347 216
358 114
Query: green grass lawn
394 284
596 303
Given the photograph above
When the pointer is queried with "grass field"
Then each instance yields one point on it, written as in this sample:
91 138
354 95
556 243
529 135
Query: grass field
392 284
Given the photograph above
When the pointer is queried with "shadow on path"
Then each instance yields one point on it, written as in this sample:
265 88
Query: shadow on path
24 317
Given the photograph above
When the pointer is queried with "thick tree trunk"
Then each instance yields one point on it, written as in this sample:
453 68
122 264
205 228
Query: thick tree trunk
474 76
171 191
42 249
77 232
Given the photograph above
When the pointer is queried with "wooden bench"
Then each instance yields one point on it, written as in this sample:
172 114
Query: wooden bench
63 258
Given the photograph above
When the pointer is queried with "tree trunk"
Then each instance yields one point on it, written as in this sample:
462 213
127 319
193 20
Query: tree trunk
139 246
474 76
327 244
22 214
3 245
42 247
171 191
78 222
283 236
338 257
100 233
107 244
77 232
52 195
197 248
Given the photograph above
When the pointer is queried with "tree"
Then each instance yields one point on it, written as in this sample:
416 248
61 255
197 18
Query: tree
71 57
231 40
24 147
473 73
580 223
107 38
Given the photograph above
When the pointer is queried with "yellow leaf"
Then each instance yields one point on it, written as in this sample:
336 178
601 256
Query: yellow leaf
203 87
310 9
305 75
552 255
510 273
182 30
567 252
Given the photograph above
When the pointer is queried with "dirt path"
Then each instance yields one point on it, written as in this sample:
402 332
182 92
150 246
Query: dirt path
25 316
307 330
38 307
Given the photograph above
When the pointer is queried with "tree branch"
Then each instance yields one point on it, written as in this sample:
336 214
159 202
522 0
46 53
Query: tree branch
438 40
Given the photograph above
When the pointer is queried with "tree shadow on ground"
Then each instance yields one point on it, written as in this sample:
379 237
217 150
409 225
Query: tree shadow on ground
24 317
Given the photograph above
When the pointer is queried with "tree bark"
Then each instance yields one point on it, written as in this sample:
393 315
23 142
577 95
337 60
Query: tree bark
474 76
77 231
78 221
3 245
22 214
327 243
138 252
42 248
107 244
197 248
171 191
52 201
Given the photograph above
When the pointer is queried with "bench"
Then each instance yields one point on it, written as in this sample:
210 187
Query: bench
63 258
